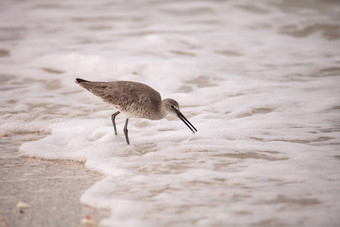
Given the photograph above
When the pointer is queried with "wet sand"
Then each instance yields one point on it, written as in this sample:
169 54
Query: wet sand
51 188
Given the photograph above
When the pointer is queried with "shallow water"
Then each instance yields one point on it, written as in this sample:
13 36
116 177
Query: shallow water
259 80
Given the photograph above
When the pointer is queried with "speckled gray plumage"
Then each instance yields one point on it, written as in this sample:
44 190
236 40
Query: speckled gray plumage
135 99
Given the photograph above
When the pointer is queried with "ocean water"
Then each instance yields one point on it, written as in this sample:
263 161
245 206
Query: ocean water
258 79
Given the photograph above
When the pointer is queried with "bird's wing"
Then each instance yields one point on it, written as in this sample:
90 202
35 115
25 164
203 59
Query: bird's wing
124 94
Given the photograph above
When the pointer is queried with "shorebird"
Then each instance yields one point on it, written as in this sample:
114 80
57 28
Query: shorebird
135 100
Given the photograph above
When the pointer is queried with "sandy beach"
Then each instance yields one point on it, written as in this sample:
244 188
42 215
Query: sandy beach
51 188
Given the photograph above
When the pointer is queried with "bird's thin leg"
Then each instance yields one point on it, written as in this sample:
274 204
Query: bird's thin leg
126 131
113 121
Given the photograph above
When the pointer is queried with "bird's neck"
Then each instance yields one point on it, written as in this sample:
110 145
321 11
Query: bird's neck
161 110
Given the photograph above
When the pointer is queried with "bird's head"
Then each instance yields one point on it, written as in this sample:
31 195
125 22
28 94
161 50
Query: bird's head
171 106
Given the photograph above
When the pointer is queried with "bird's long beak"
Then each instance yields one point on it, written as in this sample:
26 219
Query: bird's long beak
181 116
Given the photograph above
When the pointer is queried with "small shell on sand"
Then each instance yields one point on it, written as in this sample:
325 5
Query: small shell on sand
89 221
22 205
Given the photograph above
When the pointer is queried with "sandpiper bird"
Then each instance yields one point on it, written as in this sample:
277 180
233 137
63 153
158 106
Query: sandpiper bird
135 100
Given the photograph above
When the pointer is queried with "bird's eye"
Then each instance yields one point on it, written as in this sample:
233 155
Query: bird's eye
172 106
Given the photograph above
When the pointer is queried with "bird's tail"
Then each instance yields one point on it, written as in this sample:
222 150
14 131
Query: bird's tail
78 80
